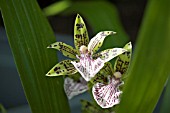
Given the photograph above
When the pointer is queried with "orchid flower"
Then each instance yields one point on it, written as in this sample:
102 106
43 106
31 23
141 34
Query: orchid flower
84 62
74 87
107 93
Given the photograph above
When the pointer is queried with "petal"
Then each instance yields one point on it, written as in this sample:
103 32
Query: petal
88 68
64 67
107 69
123 60
97 41
107 96
67 50
80 33
73 88
101 76
109 54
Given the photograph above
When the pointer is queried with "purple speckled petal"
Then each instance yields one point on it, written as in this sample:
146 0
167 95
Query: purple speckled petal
107 96
88 67
73 88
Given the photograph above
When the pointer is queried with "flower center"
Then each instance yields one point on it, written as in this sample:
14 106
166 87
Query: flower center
117 75
83 49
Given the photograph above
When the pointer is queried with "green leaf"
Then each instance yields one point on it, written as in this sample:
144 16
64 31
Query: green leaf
56 8
150 64
29 34
166 99
2 109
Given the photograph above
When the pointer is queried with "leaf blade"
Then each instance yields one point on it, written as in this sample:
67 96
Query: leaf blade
29 33
149 68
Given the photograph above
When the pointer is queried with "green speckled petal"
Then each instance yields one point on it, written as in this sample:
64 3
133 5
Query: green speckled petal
107 69
102 75
97 41
64 67
80 33
67 50
123 60
109 54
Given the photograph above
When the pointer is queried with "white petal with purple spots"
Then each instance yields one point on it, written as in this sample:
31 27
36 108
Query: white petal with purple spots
107 96
73 88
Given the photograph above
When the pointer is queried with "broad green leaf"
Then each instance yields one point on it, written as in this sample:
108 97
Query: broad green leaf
29 34
166 99
80 33
97 41
64 67
67 50
149 69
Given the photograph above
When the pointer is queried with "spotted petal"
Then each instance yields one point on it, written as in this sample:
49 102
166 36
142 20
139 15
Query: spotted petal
109 54
88 67
67 50
107 96
80 33
73 88
97 41
123 60
64 67
102 75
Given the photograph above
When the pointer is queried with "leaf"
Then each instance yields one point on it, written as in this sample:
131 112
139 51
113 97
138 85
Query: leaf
80 33
29 34
64 67
97 41
67 50
164 108
2 109
56 8
149 69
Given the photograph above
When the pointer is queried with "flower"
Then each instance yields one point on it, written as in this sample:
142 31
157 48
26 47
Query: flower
107 95
87 63
73 87
106 90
